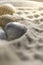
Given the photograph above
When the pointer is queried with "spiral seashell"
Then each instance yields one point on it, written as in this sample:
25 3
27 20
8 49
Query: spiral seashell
6 9
14 30
4 19
2 34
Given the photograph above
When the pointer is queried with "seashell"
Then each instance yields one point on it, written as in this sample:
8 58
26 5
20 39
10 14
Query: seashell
14 30
4 19
6 9
2 34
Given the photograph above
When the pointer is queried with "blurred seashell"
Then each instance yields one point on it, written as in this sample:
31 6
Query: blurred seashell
7 9
4 19
2 34
14 30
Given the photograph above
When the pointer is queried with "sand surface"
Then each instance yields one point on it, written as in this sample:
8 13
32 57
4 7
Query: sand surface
28 49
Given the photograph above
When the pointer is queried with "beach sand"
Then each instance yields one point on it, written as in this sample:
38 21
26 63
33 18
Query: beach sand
28 49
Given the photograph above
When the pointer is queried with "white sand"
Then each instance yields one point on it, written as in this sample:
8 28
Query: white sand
27 50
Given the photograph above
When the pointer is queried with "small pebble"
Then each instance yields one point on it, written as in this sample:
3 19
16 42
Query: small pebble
2 35
14 30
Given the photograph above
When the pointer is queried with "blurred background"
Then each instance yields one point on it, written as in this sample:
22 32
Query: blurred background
37 0
23 0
